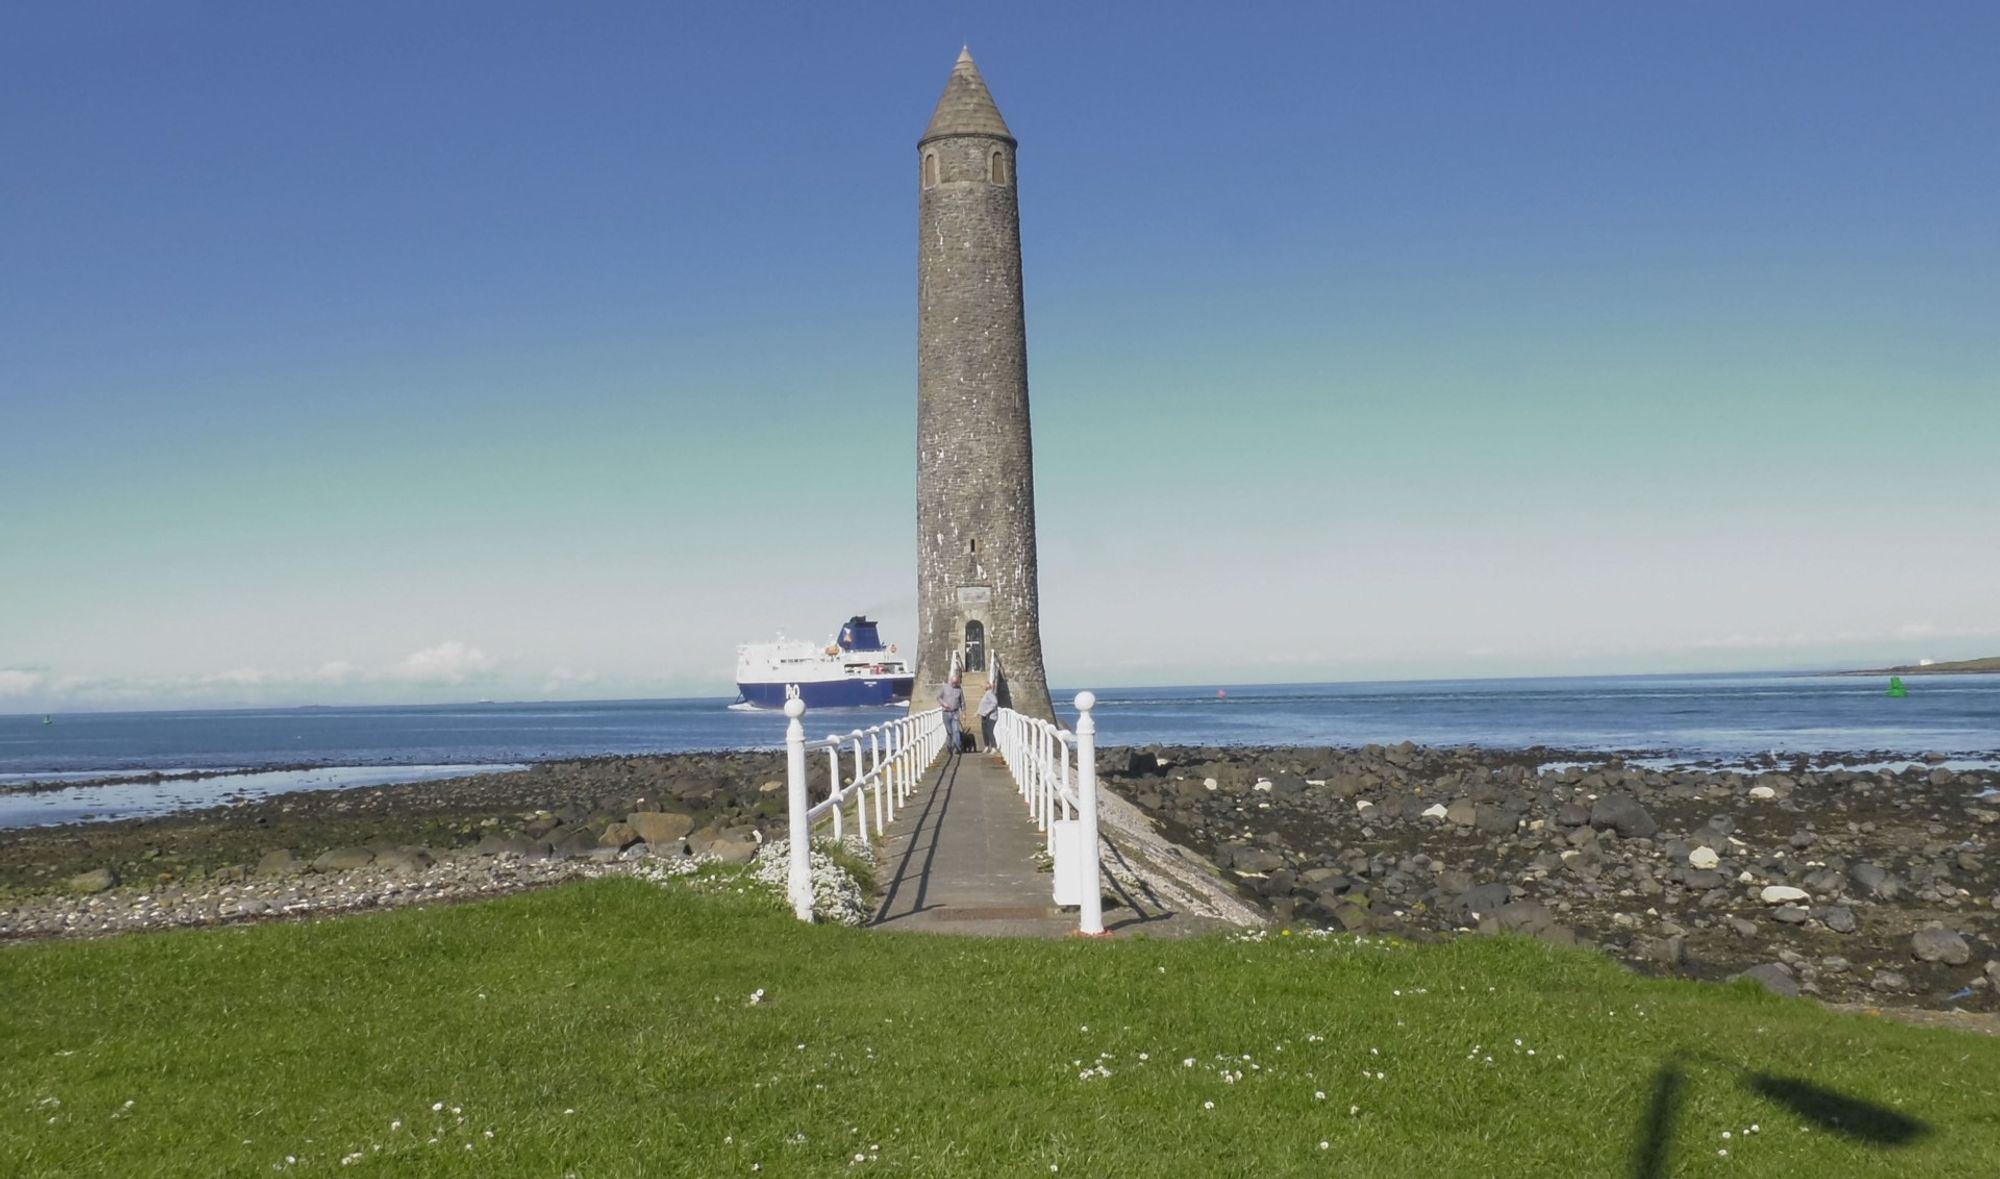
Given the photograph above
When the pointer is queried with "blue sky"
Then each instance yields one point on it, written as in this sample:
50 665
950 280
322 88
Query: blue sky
378 352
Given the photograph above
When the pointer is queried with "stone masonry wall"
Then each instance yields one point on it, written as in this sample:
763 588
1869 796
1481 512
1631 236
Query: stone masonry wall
975 458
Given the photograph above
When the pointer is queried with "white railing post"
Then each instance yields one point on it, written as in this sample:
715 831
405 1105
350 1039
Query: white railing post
798 883
884 811
860 790
833 781
892 773
906 758
1045 782
1091 922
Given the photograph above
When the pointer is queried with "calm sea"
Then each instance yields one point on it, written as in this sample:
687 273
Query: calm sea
1679 717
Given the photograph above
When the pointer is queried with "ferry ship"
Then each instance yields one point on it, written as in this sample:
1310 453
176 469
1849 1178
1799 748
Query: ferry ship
855 670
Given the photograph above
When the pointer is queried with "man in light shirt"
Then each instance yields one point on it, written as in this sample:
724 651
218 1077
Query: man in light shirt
951 698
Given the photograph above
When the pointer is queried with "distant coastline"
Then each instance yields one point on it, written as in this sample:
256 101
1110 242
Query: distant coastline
1988 666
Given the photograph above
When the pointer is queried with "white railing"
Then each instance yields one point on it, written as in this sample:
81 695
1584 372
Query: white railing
897 754
1056 772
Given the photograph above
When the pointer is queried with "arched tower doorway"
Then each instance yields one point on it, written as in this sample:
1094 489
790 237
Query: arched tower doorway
975 646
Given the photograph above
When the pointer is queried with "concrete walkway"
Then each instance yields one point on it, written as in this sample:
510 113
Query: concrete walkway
960 858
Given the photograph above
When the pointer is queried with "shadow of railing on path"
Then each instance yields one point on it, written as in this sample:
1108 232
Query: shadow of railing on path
1132 904
925 826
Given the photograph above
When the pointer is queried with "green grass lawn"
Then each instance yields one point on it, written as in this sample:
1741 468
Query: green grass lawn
608 1028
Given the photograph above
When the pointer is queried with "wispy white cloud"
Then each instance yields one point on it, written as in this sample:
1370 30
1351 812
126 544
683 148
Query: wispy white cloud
1904 632
19 682
449 662
338 671
441 665
1743 642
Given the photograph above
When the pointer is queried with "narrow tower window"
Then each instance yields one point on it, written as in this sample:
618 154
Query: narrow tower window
930 169
972 546
999 168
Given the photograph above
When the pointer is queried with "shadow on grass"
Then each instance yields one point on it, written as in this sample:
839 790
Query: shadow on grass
1656 1137
1828 1109
1850 1117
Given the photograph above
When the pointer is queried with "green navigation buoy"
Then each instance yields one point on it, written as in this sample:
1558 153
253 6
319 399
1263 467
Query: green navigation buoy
1896 687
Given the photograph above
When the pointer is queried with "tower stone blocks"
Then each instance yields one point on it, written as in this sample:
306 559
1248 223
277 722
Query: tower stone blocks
976 574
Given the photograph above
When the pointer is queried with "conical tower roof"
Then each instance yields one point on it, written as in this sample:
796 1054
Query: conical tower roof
966 107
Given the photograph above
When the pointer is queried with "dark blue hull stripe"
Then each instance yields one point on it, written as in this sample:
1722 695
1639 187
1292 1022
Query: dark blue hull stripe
854 693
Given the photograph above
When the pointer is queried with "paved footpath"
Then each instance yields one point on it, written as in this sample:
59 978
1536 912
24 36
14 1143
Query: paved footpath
960 859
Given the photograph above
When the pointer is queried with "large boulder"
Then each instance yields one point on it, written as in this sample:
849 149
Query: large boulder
735 845
1351 917
1937 944
1775 977
281 862
1623 813
1248 859
1138 763
1484 898
503 845
1527 917
342 859
94 881
1875 881
619 836
661 827
574 842
404 861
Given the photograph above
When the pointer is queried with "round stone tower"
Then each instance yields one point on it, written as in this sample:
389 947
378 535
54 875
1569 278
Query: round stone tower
976 595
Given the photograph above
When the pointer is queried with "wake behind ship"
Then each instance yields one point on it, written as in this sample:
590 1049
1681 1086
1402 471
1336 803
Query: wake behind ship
855 670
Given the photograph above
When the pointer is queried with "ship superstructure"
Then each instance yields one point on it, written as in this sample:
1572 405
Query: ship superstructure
854 670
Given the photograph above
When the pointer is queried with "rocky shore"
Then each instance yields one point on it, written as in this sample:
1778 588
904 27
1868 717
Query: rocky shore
1810 876
1814 877
340 850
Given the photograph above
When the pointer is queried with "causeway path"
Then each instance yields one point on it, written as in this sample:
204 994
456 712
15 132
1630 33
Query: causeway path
960 859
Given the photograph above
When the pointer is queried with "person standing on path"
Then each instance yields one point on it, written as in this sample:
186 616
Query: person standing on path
951 698
989 712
